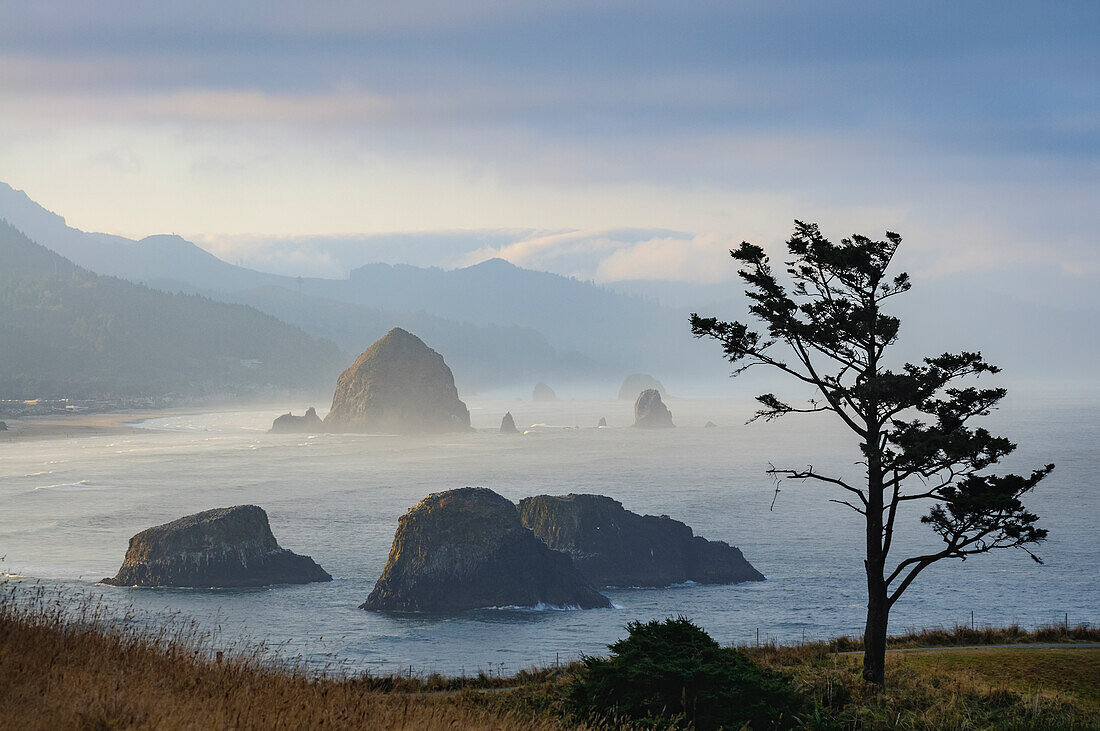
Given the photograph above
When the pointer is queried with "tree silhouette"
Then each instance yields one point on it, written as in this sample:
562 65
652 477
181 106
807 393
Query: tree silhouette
829 331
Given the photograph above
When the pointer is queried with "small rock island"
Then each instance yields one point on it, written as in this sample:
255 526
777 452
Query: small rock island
542 392
466 548
224 547
508 424
397 386
635 383
650 412
288 423
615 547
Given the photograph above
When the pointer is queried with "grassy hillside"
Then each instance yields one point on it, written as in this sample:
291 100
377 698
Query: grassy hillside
68 666
65 331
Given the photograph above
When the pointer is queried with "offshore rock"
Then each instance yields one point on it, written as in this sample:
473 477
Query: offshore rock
466 548
603 422
710 425
224 547
650 412
615 547
288 423
508 424
635 383
543 392
397 386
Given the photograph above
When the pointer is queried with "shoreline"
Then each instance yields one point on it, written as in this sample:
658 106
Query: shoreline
78 426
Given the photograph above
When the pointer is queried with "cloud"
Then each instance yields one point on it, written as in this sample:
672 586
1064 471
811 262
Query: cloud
703 259
972 133
620 254
203 106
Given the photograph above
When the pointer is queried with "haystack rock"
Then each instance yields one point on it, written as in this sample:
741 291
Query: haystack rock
603 422
650 412
543 392
224 547
466 548
635 383
397 386
615 547
310 423
508 424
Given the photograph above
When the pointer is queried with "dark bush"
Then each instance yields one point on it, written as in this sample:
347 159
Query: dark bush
671 673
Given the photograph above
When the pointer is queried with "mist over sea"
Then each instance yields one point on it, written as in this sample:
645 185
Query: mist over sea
69 508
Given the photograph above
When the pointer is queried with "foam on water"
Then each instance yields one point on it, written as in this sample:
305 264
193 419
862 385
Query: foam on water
79 484
540 607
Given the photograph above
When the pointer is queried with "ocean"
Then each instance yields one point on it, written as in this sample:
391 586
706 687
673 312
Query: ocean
70 506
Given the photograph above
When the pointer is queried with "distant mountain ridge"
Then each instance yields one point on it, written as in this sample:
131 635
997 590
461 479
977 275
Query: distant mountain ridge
500 324
67 332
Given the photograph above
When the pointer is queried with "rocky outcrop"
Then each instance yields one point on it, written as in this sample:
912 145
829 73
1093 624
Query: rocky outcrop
397 386
710 425
650 412
635 383
603 422
543 392
3 426
225 547
615 547
466 548
508 424
288 423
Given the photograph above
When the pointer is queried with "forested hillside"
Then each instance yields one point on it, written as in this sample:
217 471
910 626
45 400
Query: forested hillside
66 332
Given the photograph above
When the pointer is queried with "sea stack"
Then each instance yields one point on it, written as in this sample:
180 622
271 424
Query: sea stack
635 383
650 412
602 423
397 386
288 423
466 548
543 392
710 425
615 547
508 424
224 547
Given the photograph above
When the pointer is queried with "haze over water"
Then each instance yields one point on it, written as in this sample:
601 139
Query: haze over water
70 507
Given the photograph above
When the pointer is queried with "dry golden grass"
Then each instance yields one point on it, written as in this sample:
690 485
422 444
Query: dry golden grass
65 663
62 669
947 688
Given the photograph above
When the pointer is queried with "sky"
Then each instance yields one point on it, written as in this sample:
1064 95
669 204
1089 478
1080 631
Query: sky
605 140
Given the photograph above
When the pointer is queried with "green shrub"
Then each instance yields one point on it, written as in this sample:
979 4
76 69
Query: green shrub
671 673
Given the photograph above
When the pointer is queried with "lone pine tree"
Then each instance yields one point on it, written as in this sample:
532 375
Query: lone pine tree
826 328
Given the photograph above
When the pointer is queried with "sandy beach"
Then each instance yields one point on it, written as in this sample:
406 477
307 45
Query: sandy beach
72 426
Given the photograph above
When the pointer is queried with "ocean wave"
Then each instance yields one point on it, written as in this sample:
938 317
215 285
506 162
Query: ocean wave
66 485
680 585
540 607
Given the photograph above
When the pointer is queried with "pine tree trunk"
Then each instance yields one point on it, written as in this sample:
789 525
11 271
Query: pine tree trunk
874 637
878 605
